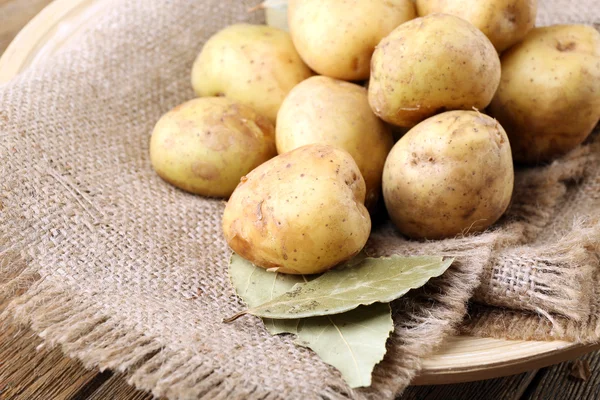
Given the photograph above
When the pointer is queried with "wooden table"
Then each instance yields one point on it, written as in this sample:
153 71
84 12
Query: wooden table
29 373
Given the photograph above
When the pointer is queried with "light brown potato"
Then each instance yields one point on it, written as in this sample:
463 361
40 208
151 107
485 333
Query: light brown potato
504 22
451 174
330 111
255 65
206 145
337 37
549 95
429 65
301 212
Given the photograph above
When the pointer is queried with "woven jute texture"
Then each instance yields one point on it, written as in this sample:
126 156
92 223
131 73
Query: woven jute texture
123 271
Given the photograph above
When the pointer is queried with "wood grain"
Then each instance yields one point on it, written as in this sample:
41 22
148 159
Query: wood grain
556 382
117 388
508 388
29 374
14 14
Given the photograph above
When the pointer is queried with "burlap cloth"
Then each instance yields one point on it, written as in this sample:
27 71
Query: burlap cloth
125 272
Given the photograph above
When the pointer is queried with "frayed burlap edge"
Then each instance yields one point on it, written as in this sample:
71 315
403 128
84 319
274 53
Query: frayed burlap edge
581 327
83 331
424 319
561 275
548 275
79 326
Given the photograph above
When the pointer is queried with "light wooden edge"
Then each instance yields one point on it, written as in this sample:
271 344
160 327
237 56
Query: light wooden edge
62 18
550 353
59 20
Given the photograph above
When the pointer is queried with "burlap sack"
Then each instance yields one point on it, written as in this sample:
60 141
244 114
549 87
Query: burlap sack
125 272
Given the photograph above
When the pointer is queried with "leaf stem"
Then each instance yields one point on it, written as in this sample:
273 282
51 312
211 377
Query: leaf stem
235 316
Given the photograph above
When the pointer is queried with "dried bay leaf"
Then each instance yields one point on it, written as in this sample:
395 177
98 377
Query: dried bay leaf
256 286
352 342
342 289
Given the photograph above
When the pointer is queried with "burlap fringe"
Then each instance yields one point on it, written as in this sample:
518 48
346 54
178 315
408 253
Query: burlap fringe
84 332
424 319
579 322
561 274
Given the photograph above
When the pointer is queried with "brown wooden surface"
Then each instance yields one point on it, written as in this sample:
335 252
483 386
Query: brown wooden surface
29 373
509 388
14 14
116 388
556 382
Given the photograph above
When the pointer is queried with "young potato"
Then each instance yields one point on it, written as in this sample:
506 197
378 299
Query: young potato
255 65
432 64
301 212
330 111
450 174
337 37
206 145
504 22
549 95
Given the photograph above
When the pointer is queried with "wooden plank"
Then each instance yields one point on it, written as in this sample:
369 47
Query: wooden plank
117 388
14 14
507 388
29 372
26 373
557 383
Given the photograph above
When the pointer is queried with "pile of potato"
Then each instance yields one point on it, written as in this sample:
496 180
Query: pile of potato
431 80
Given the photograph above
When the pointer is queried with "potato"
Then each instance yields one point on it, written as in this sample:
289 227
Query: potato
432 64
337 37
450 174
504 22
549 95
255 65
330 111
301 212
206 145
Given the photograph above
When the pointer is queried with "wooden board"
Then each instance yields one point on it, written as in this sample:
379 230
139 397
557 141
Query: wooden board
557 382
116 388
461 359
29 373
464 358
509 388
14 14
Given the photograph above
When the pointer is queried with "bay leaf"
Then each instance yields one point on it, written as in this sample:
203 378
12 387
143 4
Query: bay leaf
342 289
353 342
256 285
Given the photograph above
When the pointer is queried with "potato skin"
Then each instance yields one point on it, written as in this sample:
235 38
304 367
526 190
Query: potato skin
301 212
504 22
206 145
330 111
431 64
450 174
549 95
337 37
255 65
